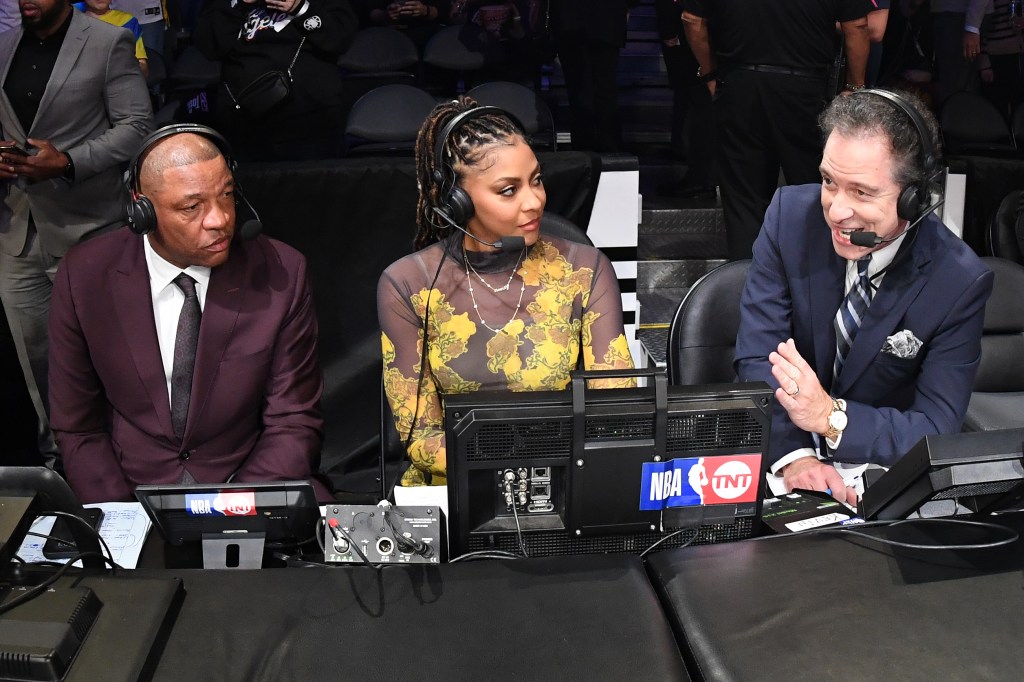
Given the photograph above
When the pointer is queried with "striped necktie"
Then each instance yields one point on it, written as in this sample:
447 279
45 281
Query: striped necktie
851 313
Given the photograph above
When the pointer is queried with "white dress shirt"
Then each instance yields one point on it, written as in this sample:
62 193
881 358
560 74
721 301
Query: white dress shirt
167 301
851 473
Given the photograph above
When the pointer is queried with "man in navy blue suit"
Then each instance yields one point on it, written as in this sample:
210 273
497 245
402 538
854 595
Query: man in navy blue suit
907 350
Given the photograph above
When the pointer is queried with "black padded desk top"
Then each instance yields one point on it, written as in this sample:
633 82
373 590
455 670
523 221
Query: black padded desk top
825 607
583 618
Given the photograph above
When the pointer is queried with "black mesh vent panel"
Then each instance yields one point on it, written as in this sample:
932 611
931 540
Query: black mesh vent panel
538 439
706 431
549 543
989 488
620 427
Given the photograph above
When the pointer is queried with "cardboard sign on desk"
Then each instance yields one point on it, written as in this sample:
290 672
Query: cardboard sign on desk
799 511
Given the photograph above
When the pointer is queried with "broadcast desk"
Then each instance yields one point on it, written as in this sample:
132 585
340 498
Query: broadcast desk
829 607
809 607
580 618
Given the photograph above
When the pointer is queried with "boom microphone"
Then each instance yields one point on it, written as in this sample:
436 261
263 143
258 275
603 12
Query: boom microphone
510 243
870 239
252 227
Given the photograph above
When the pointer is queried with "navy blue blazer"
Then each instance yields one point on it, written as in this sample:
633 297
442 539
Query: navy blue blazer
937 291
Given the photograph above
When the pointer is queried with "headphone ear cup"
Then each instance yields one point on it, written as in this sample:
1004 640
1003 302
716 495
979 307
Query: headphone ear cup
908 206
459 206
140 214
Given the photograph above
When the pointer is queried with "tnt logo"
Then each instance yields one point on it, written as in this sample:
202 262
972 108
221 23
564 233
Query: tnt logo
224 504
693 481
732 480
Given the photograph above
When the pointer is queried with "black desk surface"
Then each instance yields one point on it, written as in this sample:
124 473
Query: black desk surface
581 618
828 607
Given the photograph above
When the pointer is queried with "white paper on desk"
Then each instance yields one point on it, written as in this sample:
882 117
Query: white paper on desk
124 528
423 496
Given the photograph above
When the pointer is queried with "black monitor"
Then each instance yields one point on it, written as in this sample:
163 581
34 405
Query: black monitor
980 471
232 520
604 471
27 492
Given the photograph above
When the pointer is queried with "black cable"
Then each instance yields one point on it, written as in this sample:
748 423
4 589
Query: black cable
1011 535
39 589
406 544
695 527
103 543
519 531
485 554
389 490
321 531
355 547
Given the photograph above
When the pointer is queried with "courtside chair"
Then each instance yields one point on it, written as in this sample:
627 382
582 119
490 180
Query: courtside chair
702 336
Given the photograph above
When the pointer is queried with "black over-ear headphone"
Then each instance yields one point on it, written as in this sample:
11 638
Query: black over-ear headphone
453 201
915 198
138 209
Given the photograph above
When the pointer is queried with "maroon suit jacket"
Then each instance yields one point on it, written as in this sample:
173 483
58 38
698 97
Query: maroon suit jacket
254 413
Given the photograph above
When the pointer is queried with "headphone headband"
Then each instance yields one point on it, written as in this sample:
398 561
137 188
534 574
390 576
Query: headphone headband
913 199
170 131
454 204
138 209
462 119
928 158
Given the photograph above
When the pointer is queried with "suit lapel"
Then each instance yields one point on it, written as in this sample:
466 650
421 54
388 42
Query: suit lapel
12 126
134 305
826 283
73 45
899 288
223 304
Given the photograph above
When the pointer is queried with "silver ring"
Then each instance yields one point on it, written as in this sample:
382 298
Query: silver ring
796 392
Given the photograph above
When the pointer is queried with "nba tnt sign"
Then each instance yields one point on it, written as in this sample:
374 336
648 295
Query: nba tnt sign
695 481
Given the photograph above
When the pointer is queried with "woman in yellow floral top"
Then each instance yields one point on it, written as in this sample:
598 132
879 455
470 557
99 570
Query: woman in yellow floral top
517 317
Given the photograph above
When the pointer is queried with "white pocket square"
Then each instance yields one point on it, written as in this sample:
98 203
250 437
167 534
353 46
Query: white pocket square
903 345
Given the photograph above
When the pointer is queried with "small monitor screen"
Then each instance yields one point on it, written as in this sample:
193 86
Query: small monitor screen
284 511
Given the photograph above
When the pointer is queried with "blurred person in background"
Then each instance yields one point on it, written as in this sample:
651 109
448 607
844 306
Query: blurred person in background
589 35
418 19
999 64
252 38
151 16
101 10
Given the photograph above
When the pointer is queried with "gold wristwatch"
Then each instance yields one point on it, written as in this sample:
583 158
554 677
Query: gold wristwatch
836 420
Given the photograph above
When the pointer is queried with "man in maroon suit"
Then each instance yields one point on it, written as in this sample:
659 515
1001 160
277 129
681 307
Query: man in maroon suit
183 356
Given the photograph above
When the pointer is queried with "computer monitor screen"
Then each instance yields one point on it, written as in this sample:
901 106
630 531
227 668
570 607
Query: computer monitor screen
980 471
614 470
283 511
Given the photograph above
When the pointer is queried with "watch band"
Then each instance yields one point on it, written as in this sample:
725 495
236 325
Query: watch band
831 433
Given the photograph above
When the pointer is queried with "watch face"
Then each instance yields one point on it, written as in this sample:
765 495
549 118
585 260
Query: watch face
837 420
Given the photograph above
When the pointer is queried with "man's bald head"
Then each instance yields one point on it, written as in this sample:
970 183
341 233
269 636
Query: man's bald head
184 149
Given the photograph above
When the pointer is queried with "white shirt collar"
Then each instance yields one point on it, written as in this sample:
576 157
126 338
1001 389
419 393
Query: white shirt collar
162 272
880 260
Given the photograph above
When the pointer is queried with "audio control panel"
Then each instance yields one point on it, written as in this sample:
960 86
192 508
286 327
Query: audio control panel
383 534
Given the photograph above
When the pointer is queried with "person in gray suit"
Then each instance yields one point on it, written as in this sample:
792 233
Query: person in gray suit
73 108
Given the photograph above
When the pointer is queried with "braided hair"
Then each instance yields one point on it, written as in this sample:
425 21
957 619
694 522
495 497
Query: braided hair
464 147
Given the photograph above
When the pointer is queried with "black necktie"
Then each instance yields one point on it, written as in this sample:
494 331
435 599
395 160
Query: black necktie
185 343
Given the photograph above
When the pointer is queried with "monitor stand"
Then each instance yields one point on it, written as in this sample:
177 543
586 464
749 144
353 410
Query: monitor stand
233 550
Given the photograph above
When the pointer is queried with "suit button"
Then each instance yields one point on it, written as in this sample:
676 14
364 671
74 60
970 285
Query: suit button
184 457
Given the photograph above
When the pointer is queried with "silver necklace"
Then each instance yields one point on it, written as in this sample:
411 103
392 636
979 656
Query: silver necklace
483 281
472 295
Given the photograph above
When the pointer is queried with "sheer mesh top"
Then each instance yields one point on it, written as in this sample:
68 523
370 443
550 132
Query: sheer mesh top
561 303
